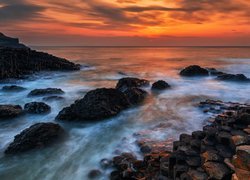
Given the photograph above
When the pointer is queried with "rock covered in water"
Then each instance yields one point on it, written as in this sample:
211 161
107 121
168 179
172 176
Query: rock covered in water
215 72
53 98
160 85
37 107
37 136
13 88
17 62
135 95
97 104
233 77
10 111
194 70
95 173
47 91
130 82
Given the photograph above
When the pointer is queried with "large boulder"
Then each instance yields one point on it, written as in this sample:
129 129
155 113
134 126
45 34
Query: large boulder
13 88
135 95
194 70
160 85
10 111
37 108
96 104
37 136
217 170
130 82
47 91
233 77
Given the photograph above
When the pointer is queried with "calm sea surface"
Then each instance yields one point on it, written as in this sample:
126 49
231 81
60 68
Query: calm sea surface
164 116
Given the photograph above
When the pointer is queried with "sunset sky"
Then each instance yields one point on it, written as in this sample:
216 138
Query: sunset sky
127 22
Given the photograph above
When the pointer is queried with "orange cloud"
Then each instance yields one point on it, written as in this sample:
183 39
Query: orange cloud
126 18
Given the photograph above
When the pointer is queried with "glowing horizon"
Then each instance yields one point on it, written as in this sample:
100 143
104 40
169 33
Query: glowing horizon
127 22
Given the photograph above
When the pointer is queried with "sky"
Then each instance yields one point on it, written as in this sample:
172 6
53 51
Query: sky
127 22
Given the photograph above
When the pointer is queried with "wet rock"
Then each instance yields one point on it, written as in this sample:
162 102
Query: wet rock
198 135
47 91
135 95
196 175
193 161
215 72
53 98
130 82
217 170
37 136
211 155
233 77
244 118
239 140
160 85
242 158
15 63
106 163
37 108
224 151
194 70
13 88
96 105
186 138
95 173
10 111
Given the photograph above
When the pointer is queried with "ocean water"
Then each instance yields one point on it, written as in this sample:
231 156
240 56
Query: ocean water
163 116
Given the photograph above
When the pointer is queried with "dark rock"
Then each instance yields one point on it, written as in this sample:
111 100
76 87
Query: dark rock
198 135
130 82
145 149
135 95
193 161
224 138
10 42
215 72
96 104
196 175
194 71
160 85
53 98
224 151
211 155
244 118
16 63
233 77
13 88
10 111
37 108
106 163
47 91
217 170
93 174
186 138
39 135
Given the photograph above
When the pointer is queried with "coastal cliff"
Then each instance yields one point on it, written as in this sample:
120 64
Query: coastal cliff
17 60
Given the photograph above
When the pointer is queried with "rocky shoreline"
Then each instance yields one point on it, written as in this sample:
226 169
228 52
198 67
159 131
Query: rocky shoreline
220 151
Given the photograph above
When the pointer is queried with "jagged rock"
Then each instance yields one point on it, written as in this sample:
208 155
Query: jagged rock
10 111
96 105
10 42
233 77
37 136
37 108
15 63
130 82
135 95
160 85
194 70
47 91
13 88
217 170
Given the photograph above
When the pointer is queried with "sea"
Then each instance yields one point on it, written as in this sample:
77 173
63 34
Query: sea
163 116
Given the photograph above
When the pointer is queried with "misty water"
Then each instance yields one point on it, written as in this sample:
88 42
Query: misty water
163 116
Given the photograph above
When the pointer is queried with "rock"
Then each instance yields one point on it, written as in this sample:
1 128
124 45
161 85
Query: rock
242 158
106 163
215 72
211 155
193 161
233 77
239 140
96 104
135 95
217 170
10 42
194 70
10 111
15 63
53 98
130 82
13 88
198 135
95 173
37 108
37 136
244 118
160 85
197 175
242 174
47 91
